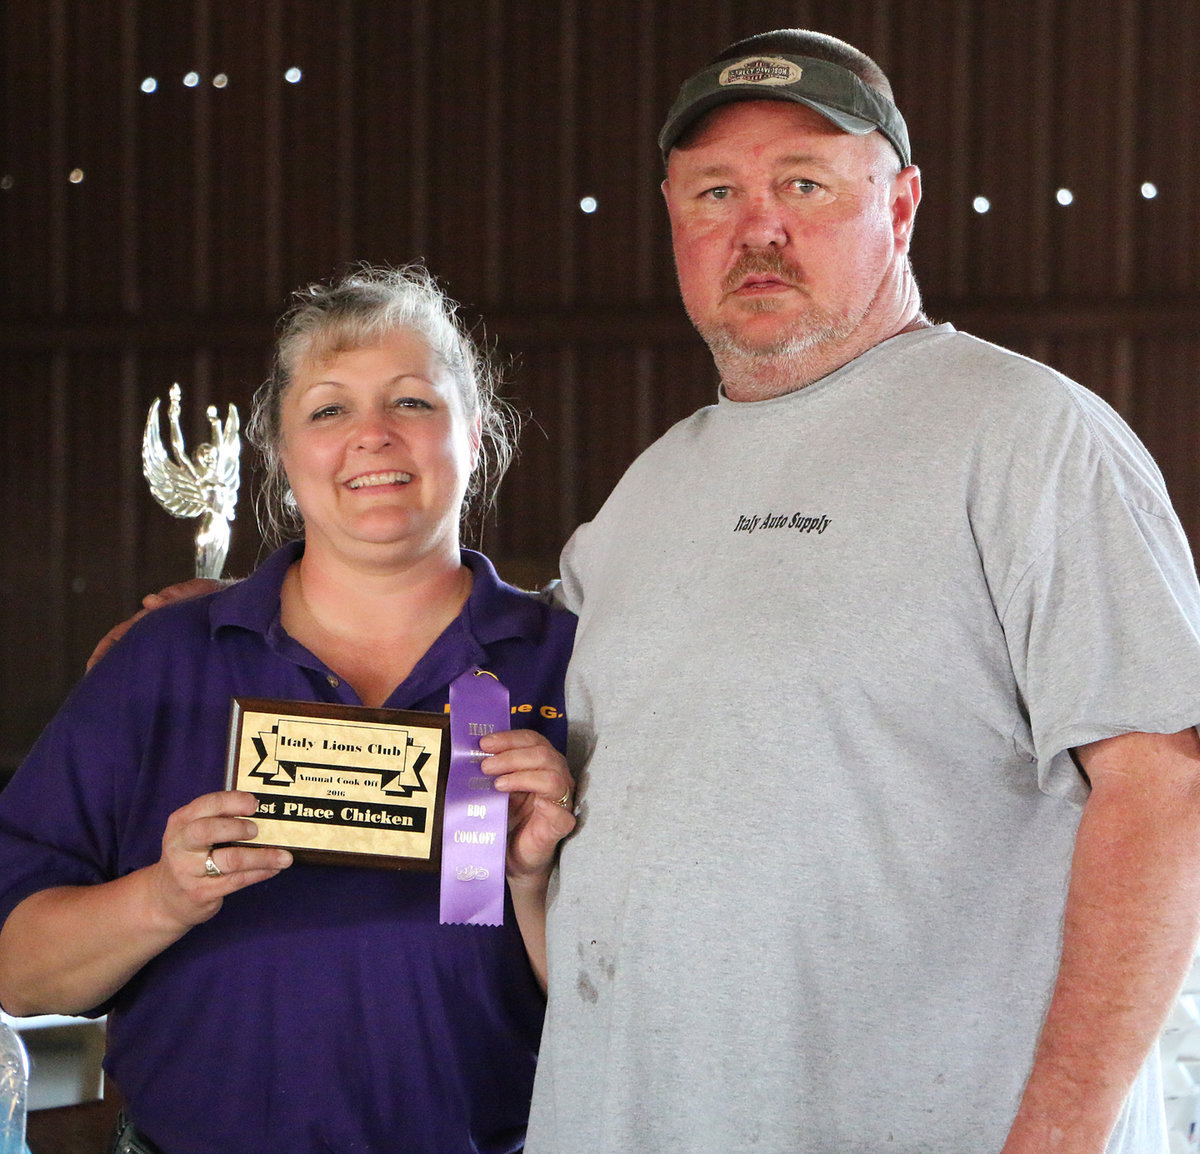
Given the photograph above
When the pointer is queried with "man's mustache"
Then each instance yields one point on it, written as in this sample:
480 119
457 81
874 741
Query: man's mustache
759 260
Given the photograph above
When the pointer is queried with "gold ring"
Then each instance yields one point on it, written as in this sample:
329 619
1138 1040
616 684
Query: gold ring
211 869
565 800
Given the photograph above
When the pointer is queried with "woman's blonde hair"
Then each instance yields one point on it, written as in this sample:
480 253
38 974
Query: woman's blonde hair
358 311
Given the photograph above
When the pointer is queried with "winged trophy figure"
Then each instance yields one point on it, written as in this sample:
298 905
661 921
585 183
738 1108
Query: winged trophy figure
204 485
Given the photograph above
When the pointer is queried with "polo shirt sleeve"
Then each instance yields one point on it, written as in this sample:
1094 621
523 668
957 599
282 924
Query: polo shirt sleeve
62 812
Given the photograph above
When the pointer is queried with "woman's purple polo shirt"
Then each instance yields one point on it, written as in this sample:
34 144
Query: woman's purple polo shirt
325 1009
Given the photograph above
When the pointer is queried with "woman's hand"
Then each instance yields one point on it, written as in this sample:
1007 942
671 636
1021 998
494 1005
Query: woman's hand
541 798
185 886
65 950
541 812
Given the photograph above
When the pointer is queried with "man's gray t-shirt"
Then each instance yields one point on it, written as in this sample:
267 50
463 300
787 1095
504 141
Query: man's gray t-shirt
833 651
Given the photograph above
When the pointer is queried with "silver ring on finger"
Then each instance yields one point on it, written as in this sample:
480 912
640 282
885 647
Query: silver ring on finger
211 869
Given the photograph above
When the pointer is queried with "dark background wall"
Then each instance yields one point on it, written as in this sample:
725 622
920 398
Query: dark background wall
152 237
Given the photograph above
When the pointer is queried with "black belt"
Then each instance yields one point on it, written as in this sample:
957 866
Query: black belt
130 1140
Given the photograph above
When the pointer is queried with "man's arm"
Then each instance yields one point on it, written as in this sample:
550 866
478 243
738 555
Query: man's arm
1129 935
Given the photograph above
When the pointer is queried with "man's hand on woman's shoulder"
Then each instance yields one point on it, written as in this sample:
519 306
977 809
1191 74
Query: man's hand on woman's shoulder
182 591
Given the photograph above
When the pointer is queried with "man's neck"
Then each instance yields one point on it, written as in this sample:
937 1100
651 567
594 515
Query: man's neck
753 377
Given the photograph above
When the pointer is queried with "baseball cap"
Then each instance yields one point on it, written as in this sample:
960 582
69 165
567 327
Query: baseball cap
827 88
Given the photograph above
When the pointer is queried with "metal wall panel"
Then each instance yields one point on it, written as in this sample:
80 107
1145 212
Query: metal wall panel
466 134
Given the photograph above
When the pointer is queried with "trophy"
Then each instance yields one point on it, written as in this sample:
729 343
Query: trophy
204 485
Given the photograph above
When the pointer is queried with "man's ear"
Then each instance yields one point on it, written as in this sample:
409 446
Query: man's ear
906 195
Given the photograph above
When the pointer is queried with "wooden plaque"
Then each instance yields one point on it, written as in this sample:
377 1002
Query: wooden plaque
342 784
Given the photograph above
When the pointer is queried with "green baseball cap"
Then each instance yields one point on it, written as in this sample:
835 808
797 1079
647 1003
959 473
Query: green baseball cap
829 89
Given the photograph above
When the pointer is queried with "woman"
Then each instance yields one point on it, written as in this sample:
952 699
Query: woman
255 1004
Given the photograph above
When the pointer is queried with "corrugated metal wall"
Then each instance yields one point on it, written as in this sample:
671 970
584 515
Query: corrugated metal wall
467 132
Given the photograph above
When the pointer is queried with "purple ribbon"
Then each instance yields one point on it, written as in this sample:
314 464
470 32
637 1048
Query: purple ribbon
475 819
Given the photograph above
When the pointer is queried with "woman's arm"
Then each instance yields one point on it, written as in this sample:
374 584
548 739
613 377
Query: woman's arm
67 949
540 814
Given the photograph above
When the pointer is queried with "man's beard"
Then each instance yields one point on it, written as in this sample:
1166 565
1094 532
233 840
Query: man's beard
785 360
818 329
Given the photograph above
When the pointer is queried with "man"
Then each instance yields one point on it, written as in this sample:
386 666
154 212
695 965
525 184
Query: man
885 677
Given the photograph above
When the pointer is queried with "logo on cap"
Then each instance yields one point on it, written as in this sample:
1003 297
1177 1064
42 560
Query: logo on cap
772 70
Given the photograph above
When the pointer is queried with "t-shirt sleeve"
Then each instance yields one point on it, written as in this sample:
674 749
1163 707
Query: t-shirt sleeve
1097 592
